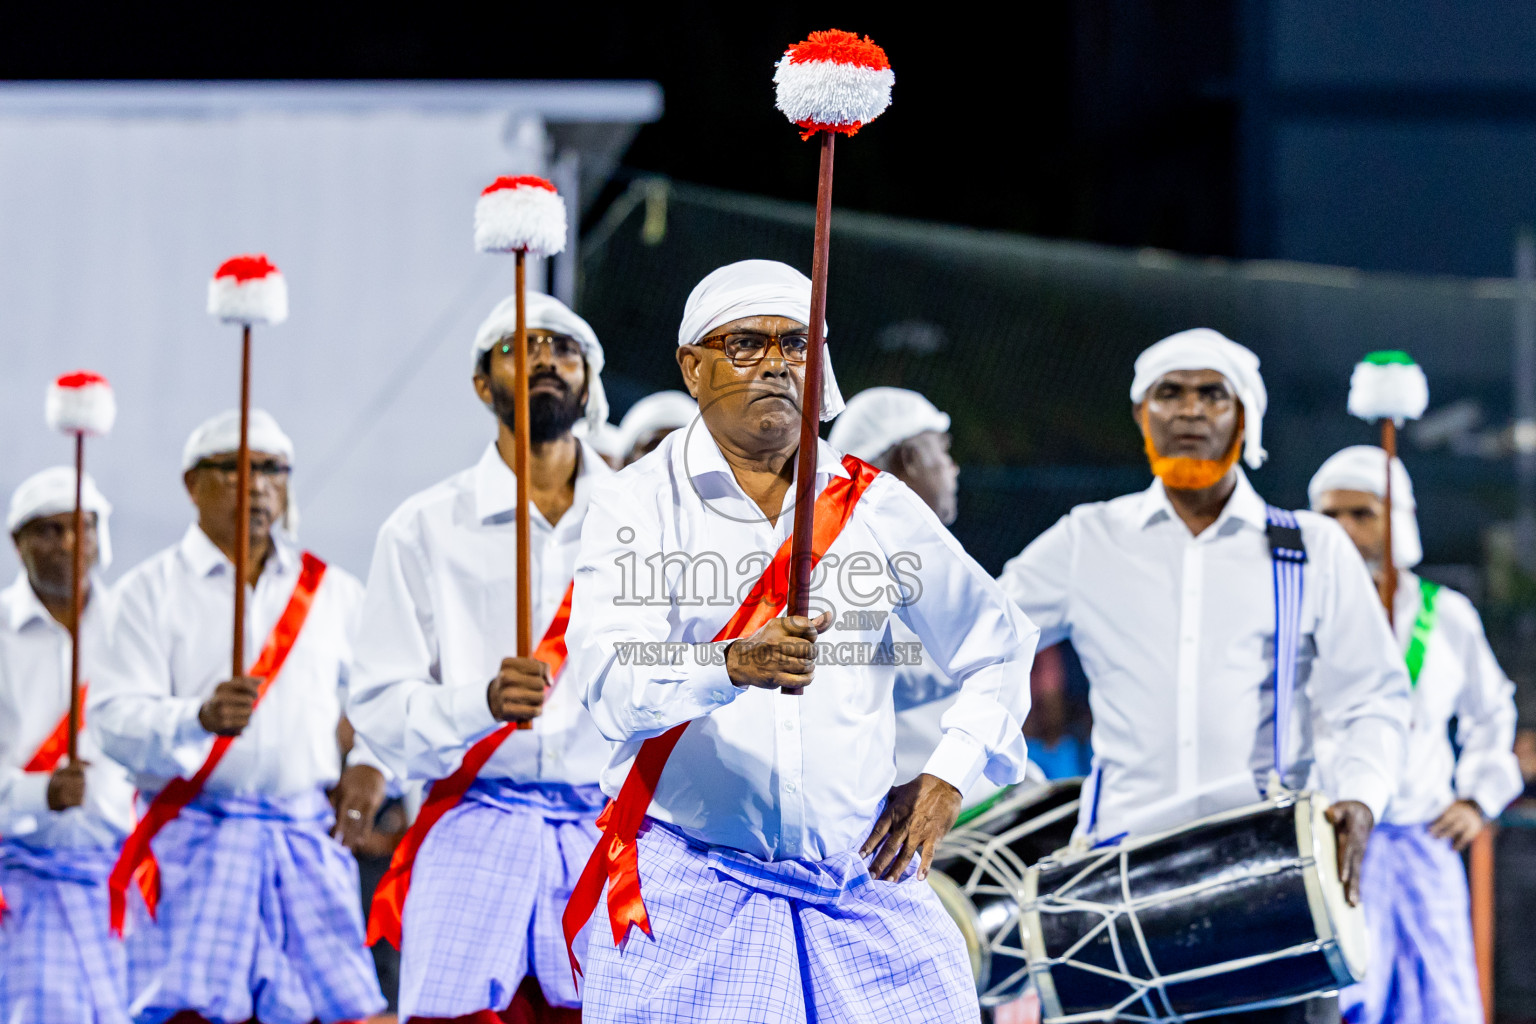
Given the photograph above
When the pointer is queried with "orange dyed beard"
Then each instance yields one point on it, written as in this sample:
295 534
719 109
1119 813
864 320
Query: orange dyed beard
1182 474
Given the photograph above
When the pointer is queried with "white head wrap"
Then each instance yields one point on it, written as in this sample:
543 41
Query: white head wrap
605 438
665 410
756 288
220 434
878 419
547 313
51 492
1205 349
1363 467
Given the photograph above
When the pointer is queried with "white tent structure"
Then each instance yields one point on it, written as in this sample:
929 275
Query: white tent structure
118 201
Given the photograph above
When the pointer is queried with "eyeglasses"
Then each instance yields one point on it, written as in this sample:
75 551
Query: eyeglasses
230 468
563 348
747 348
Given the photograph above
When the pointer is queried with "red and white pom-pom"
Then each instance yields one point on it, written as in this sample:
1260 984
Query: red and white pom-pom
248 290
833 82
522 213
80 403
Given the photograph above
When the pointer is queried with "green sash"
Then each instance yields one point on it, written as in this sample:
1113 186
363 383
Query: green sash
1423 625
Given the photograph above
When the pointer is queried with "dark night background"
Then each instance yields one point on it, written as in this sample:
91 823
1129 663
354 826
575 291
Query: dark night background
1105 121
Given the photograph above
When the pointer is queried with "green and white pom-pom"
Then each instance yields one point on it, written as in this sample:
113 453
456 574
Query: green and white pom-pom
1388 385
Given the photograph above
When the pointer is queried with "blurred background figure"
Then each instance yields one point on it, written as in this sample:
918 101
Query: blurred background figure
902 433
651 419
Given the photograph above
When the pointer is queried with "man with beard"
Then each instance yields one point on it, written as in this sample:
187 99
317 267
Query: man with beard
770 869
62 821
435 676
1170 598
258 911
1423 967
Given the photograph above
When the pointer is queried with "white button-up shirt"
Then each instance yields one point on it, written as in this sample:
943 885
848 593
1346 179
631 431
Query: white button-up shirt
671 548
171 647
440 615
34 697
1459 679
1177 633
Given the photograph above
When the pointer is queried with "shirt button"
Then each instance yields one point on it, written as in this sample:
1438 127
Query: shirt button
720 696
789 725
790 787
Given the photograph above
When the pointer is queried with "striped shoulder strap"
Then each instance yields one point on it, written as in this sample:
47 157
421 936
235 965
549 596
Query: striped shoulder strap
1288 554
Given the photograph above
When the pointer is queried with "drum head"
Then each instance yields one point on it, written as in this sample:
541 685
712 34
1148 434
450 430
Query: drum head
963 911
1331 912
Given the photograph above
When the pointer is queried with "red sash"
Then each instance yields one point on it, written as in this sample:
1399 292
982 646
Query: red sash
388 908
614 860
55 746
137 859
53 749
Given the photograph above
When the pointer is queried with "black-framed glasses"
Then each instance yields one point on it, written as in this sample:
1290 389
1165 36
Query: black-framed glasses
747 348
271 469
563 348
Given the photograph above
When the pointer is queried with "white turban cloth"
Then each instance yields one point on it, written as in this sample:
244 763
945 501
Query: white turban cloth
756 288
51 492
1363 467
878 419
220 434
547 313
665 410
1204 349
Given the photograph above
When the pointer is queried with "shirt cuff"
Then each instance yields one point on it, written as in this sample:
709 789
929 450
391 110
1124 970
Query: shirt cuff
190 742
362 755
469 709
29 795
958 760
687 695
1369 790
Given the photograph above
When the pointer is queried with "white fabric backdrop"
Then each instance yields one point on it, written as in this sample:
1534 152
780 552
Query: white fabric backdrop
110 227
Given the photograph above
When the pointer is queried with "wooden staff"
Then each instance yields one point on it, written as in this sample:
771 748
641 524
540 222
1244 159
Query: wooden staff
520 454
77 600
800 561
1388 585
242 503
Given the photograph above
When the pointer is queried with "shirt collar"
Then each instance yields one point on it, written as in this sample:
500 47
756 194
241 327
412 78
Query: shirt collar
699 455
1243 507
23 607
22 604
496 484
204 558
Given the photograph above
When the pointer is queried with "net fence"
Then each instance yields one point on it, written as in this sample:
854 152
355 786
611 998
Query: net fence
1028 345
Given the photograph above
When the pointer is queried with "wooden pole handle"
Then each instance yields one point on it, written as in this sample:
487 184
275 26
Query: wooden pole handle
1388 563
77 600
810 402
242 505
520 449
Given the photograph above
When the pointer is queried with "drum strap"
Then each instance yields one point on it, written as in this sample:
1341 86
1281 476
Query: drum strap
1288 553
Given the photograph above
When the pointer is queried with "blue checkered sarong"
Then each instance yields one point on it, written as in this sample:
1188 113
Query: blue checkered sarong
1423 969
260 916
59 963
487 894
776 942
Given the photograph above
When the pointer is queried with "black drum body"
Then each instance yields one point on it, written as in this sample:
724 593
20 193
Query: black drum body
1237 911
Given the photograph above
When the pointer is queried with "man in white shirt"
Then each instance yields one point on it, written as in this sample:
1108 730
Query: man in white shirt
759 900
1168 597
1423 967
62 821
258 912
436 679
904 434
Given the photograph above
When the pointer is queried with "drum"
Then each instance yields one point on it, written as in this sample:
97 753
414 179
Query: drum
1240 910
978 873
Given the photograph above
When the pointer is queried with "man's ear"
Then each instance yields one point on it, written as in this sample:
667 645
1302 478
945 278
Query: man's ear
482 385
1136 414
189 481
689 362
